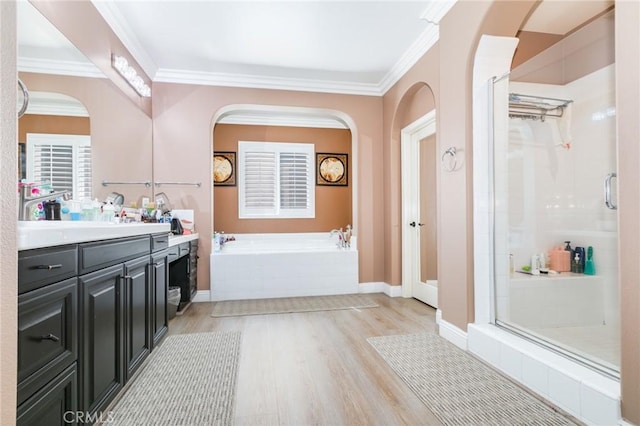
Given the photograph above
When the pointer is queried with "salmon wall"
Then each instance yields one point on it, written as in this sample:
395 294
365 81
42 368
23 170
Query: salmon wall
121 138
51 124
333 203
183 128
447 70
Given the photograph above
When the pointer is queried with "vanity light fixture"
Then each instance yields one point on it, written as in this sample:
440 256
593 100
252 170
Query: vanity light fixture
121 65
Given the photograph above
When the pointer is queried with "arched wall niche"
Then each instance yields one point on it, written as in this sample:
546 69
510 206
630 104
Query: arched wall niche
293 115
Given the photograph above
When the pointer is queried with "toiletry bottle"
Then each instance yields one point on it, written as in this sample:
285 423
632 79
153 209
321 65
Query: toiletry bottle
511 265
535 264
542 262
567 257
589 267
576 264
580 252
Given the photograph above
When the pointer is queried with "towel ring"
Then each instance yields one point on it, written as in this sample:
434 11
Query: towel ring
449 159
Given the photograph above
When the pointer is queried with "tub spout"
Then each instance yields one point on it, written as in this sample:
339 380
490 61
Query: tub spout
343 237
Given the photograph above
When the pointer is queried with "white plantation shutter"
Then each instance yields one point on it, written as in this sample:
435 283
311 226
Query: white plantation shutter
62 160
275 180
260 180
294 180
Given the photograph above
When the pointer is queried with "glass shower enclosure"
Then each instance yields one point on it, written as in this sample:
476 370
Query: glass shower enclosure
555 218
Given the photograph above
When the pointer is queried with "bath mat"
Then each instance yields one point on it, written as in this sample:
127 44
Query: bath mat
458 388
283 305
189 380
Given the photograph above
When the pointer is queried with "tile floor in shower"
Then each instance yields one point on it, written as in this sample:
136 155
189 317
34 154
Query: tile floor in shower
599 343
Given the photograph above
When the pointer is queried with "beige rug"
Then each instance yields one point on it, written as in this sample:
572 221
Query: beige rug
189 380
229 308
458 388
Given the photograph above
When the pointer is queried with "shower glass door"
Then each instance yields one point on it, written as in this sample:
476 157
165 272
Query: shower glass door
555 220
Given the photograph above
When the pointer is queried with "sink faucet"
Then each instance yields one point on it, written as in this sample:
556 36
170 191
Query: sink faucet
27 200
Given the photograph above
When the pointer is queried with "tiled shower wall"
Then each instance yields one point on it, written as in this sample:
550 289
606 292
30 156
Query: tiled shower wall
548 193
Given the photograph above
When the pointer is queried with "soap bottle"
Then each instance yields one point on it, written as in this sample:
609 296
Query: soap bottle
579 252
567 257
576 263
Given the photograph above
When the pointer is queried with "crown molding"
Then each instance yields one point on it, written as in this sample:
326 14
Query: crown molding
47 66
436 10
263 82
41 104
282 120
427 39
118 24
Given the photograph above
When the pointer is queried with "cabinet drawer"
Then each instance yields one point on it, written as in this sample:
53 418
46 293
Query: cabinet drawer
54 404
177 251
102 254
159 242
47 334
39 267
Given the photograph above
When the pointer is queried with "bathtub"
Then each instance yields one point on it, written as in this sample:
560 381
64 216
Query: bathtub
257 266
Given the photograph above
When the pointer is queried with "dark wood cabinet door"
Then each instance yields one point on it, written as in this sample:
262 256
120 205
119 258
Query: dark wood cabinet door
54 404
160 290
102 358
137 313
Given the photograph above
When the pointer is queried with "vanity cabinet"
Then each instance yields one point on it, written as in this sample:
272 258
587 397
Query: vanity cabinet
183 270
102 322
54 404
137 294
160 289
116 321
47 334
89 315
193 268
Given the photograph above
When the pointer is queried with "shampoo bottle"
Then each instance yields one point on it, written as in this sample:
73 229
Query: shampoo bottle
589 268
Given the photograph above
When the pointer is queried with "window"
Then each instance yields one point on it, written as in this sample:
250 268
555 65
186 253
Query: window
62 160
275 180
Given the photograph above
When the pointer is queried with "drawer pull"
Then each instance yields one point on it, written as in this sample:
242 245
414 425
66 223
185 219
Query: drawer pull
162 241
51 337
49 267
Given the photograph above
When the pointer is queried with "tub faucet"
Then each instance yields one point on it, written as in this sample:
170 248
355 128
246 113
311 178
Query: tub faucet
342 243
27 200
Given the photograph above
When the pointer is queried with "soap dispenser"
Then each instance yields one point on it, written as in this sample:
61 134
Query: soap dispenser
567 257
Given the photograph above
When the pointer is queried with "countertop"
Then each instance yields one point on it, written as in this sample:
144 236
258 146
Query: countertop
174 240
44 233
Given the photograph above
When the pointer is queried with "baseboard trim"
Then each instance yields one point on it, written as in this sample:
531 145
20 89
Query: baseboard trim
374 287
438 316
380 287
452 333
202 296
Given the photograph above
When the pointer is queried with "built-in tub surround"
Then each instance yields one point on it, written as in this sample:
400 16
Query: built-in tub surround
258 266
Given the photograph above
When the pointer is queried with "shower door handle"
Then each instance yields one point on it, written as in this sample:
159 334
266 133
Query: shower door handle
607 191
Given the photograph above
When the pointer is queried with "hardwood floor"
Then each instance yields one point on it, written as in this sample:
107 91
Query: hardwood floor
317 368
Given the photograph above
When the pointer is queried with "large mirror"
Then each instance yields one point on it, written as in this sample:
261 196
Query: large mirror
70 96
